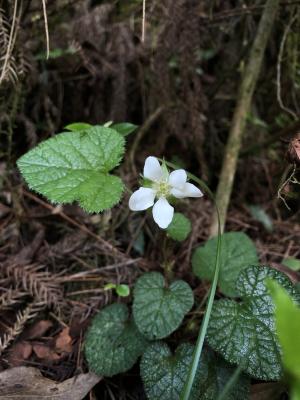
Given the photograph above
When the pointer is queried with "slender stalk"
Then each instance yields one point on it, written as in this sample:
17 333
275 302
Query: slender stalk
200 340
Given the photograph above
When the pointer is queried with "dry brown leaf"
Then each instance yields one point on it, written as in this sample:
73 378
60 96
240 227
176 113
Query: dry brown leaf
294 150
19 352
38 329
27 383
44 352
63 342
266 391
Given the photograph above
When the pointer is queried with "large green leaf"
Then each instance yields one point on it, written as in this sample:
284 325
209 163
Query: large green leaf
237 252
287 316
164 374
158 310
113 343
244 332
74 166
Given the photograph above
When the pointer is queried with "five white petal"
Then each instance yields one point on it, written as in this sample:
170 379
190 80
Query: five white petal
152 169
174 184
142 199
162 213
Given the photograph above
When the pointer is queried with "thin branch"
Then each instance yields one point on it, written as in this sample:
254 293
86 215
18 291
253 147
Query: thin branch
283 185
144 21
280 56
46 28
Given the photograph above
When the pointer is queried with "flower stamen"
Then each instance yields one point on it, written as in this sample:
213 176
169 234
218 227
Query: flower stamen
162 189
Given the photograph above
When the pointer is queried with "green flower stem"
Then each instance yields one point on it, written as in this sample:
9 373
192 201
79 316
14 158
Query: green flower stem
200 341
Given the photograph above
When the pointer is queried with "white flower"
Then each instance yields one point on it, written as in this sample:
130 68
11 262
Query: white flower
163 185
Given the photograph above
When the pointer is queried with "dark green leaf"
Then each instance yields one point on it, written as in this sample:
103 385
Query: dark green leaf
237 252
164 374
158 310
244 332
113 343
179 228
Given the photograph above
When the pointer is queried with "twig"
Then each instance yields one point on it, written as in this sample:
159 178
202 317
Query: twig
279 61
282 186
84 274
144 21
46 28
86 291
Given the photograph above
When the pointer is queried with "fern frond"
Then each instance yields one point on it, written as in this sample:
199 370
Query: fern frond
36 281
10 298
8 68
4 30
22 317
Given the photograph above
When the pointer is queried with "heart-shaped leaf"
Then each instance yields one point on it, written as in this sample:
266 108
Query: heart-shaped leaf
164 374
219 373
244 333
179 228
74 166
158 310
113 343
237 252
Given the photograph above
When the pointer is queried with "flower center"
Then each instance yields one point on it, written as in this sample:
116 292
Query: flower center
162 189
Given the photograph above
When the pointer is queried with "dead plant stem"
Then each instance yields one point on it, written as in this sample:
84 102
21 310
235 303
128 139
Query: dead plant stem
238 125
46 28
10 43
